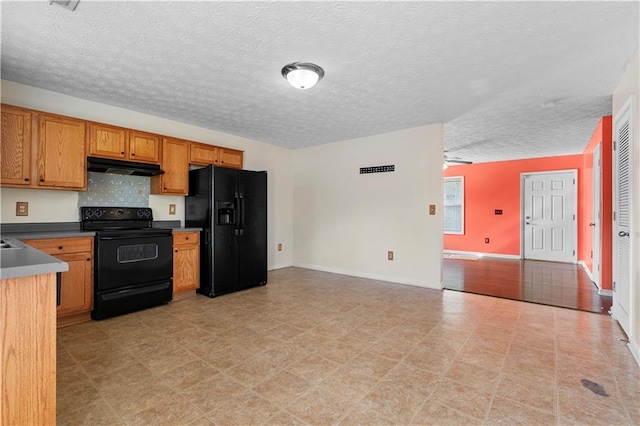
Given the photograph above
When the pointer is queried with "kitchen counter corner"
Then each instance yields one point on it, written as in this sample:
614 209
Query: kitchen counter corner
27 261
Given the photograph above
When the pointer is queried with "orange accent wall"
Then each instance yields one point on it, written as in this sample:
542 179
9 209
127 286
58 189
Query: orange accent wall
496 186
601 135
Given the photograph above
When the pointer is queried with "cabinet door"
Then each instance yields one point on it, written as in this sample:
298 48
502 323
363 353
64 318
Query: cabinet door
61 153
202 154
144 147
175 163
230 158
15 163
186 267
107 141
76 284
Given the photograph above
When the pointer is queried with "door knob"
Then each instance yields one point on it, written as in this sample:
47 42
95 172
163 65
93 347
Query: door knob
623 234
592 224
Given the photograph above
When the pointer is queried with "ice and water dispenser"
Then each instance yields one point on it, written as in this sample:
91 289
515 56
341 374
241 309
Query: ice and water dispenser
225 213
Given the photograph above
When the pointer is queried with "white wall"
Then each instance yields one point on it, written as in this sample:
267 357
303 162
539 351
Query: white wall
346 222
62 206
629 85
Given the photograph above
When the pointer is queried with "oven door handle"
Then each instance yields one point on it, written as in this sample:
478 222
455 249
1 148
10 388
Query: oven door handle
130 236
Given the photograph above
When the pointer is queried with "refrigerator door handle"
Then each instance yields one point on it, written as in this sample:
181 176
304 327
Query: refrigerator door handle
236 211
241 225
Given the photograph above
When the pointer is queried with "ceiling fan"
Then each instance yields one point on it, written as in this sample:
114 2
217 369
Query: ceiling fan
454 160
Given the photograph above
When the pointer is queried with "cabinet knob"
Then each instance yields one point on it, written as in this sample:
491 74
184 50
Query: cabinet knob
186 238
88 259
122 152
133 154
176 251
41 179
60 247
26 179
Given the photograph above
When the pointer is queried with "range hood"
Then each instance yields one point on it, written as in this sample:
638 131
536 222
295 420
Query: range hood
120 167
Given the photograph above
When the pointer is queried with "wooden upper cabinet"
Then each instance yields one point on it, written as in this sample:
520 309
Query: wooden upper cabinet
61 153
230 158
144 147
107 141
202 154
115 142
174 160
15 163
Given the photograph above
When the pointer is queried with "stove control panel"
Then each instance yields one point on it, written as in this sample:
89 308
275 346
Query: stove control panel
115 213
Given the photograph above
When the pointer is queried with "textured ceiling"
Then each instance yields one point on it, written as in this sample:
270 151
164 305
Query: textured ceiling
484 69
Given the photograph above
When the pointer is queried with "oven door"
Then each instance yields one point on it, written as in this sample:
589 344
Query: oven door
128 259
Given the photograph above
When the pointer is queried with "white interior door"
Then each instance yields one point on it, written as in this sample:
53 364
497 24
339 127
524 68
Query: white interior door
549 222
622 214
596 255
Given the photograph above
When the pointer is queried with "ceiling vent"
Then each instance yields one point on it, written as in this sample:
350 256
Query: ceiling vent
70 4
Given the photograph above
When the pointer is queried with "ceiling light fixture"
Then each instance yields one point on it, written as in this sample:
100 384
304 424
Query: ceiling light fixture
302 75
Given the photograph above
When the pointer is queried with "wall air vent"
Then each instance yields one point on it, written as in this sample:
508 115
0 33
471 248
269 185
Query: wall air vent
377 169
69 4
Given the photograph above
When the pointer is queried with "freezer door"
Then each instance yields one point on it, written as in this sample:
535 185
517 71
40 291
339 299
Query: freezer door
252 241
225 233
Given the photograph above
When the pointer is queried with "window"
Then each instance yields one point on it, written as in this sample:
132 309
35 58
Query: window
454 205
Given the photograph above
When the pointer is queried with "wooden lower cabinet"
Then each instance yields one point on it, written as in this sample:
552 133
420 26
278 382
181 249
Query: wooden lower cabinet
186 264
76 290
28 355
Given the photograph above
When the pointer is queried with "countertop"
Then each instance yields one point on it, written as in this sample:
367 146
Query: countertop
26 261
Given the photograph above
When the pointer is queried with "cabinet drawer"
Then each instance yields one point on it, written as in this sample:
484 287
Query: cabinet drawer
55 246
186 238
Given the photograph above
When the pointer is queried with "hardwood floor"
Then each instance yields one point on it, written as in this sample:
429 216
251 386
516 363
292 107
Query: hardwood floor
548 283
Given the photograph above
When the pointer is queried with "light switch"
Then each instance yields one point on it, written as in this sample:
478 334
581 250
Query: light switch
172 209
432 209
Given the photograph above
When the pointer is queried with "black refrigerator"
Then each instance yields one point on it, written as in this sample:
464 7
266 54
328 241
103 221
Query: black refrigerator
231 207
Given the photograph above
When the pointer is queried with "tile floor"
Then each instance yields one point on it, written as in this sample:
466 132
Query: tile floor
319 348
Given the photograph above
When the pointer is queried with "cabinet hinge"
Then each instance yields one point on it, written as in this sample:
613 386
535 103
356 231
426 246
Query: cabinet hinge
574 252
614 215
574 217
614 286
614 145
592 254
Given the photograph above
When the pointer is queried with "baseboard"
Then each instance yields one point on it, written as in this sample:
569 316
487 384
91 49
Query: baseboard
280 266
586 269
635 350
377 277
480 254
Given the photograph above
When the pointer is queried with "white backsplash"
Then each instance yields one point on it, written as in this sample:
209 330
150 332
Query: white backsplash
111 190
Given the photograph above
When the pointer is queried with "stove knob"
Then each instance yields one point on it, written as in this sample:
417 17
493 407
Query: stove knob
88 213
99 213
119 212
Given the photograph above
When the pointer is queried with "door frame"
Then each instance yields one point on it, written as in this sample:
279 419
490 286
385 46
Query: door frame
574 172
627 109
596 273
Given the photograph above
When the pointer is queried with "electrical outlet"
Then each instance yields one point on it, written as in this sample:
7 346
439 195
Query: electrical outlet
22 208
172 209
432 209
498 211
279 247
390 255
